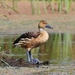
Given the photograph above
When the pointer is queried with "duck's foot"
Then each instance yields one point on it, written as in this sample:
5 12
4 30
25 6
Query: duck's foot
34 61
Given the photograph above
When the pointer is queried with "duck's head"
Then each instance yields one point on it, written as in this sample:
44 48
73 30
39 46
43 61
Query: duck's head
43 24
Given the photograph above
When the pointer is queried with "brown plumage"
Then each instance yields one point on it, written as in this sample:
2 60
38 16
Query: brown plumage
32 40
24 37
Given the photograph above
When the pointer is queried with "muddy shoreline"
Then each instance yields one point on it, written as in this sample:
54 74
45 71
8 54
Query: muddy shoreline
60 24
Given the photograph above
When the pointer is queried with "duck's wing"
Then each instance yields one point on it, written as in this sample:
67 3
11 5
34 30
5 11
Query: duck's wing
27 35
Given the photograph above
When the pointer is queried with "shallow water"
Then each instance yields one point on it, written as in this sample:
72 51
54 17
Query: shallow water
59 49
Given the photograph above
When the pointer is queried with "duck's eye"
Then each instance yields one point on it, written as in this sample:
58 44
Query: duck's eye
44 22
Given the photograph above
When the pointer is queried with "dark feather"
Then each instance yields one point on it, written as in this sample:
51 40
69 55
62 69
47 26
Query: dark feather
27 35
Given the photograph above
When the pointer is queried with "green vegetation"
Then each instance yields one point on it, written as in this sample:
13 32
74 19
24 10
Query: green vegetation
62 47
5 5
62 5
52 5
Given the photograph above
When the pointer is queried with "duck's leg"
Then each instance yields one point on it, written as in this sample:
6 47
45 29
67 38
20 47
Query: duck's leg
31 59
28 57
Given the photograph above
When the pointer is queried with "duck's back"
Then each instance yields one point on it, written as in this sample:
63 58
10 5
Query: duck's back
26 36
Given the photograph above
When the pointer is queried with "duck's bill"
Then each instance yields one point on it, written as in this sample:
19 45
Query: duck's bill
48 26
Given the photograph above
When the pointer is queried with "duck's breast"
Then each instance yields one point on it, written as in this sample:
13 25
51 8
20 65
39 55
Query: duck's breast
41 39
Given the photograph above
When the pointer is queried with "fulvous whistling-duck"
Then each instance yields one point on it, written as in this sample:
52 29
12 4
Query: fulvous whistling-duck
32 40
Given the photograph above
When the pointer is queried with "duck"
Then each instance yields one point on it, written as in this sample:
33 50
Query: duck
30 40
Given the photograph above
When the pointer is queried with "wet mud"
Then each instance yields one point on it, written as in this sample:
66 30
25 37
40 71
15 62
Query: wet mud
18 62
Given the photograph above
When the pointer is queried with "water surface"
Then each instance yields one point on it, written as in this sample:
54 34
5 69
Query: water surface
59 49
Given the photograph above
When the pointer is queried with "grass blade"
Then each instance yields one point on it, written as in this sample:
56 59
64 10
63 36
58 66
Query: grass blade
32 6
59 5
38 8
44 4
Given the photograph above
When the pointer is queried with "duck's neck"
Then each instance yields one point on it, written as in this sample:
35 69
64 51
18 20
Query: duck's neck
41 29
43 35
